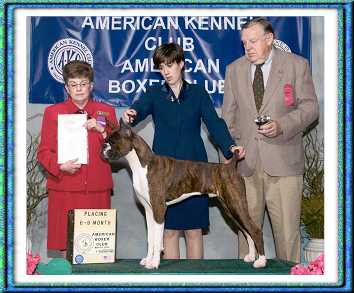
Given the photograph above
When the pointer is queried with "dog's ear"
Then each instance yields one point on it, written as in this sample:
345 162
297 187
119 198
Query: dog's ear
124 128
122 123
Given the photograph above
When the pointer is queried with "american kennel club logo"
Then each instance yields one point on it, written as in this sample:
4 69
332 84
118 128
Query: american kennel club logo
66 50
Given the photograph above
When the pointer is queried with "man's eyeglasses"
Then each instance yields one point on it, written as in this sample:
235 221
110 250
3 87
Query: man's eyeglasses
82 84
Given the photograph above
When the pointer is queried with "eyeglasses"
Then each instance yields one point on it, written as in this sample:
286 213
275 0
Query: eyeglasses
82 84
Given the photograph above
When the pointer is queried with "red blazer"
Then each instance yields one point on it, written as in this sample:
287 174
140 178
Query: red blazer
97 174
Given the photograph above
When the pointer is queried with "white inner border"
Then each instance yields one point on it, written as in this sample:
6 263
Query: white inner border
331 161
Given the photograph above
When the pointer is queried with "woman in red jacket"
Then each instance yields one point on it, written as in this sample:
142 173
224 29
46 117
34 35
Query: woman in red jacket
72 185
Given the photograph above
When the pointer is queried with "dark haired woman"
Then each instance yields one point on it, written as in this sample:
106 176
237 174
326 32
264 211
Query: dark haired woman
177 109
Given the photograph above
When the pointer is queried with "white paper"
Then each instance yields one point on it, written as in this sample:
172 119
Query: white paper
72 138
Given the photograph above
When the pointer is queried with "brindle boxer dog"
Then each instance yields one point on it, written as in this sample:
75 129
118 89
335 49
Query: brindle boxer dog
161 181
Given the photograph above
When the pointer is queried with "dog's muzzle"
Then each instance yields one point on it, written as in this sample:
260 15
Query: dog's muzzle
106 150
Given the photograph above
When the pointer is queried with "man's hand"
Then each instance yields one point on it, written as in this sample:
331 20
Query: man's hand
129 116
270 129
70 166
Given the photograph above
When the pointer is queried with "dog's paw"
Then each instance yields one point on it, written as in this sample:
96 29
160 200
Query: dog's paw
143 261
152 264
261 262
249 258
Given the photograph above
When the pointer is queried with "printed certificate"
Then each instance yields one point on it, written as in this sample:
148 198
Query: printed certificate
72 138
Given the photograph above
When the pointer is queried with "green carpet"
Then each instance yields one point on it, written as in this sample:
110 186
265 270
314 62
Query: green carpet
184 266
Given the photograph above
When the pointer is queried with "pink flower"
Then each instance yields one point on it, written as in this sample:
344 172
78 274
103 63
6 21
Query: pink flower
32 262
299 270
315 267
289 99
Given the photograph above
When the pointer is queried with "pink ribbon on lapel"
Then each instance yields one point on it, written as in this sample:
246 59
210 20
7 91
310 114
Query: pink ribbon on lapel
289 100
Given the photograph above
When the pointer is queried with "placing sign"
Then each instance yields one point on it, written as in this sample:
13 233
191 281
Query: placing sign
91 236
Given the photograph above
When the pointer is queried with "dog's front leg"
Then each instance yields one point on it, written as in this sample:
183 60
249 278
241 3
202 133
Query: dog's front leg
158 243
154 262
150 234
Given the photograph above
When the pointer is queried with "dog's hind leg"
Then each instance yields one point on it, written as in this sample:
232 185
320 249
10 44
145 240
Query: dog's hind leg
251 256
239 211
255 242
254 238
232 216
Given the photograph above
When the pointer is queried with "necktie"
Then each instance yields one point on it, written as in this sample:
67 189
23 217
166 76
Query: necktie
258 86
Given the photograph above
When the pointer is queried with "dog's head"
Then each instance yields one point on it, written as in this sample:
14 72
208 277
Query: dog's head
119 143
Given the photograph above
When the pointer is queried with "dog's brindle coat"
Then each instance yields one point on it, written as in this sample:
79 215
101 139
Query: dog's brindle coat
160 181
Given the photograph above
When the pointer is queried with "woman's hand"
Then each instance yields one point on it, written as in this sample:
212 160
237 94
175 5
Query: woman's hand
129 116
239 151
70 166
92 124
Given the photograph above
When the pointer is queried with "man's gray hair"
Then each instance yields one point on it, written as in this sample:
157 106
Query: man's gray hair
267 26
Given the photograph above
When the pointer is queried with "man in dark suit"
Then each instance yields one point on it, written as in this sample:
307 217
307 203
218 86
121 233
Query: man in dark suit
271 82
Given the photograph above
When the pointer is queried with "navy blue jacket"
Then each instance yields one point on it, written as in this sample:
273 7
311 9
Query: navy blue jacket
178 124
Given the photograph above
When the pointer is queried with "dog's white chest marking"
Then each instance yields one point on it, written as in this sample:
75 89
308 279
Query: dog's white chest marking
154 229
140 182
